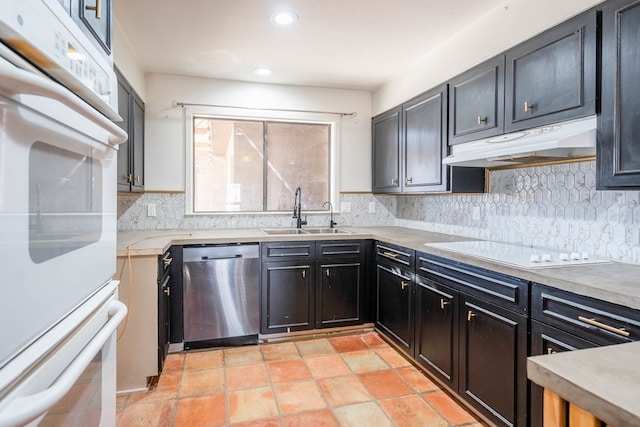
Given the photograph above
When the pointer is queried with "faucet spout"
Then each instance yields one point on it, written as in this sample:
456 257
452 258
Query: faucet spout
332 223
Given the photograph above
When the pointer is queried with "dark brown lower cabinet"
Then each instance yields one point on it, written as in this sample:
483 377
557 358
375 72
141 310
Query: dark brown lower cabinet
394 307
339 293
436 343
493 352
287 297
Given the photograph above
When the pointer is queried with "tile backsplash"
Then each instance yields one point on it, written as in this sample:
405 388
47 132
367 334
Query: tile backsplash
553 206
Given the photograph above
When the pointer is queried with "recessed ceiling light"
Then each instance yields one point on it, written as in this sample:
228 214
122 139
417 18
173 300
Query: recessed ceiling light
283 18
262 71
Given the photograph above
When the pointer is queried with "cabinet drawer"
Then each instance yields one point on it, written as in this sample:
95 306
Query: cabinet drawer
395 255
597 321
506 291
339 248
281 251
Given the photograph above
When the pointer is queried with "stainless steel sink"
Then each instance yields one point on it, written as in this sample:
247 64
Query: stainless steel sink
326 230
311 230
283 231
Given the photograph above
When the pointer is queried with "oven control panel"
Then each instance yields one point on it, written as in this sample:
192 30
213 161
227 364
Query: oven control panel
43 33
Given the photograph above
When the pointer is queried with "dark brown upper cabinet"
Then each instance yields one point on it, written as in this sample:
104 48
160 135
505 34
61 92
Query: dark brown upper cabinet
476 102
94 17
552 77
409 143
385 130
618 149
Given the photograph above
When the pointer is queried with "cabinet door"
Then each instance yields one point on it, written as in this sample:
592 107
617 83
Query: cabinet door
424 140
164 310
493 352
137 151
287 297
552 77
386 152
394 313
123 149
339 294
476 102
437 330
618 149
96 23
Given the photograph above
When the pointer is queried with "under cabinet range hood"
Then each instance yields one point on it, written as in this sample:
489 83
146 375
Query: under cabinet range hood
561 141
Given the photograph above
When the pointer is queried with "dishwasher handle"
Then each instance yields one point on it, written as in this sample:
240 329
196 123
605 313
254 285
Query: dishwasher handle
214 258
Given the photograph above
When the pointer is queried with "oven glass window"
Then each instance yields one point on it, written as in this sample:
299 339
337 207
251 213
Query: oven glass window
65 201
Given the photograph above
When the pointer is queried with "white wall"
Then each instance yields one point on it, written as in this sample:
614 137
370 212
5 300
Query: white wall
512 23
165 128
126 61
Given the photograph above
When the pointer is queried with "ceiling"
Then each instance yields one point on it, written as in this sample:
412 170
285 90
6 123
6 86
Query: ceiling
348 44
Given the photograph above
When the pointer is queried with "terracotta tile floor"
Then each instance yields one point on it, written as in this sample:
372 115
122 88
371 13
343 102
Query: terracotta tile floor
354 380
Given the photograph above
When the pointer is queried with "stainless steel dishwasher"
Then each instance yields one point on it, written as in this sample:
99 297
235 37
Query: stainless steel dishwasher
221 290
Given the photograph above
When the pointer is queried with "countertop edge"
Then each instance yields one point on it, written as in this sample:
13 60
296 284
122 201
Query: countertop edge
582 377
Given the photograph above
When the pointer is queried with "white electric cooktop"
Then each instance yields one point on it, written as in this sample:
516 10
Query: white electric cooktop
520 256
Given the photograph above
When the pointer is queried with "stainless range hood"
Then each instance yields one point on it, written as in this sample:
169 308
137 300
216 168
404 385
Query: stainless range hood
566 140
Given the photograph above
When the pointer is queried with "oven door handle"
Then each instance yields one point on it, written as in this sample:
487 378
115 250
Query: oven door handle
16 81
25 409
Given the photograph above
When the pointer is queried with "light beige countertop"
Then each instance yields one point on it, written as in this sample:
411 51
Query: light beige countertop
604 380
615 282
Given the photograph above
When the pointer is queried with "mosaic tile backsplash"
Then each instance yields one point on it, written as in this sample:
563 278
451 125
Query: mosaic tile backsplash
554 207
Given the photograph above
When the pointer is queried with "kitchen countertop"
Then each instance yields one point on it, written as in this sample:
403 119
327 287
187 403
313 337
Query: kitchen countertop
612 282
604 380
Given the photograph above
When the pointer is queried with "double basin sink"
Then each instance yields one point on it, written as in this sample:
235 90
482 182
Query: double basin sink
305 231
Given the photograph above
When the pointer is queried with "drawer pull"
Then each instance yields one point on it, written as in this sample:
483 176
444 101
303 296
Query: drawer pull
390 254
404 284
470 315
481 120
328 275
594 322
443 303
304 274
167 261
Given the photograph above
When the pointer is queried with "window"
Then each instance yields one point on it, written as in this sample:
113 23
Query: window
255 166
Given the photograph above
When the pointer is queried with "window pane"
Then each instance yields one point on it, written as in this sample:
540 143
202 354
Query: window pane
298 156
227 165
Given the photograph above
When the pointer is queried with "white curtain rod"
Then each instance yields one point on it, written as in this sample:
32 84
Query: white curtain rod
191 104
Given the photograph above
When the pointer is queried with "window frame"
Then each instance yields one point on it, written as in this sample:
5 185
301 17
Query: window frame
284 116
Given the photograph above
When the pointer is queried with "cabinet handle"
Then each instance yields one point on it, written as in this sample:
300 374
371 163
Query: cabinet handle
404 284
394 181
470 315
551 351
304 274
97 9
129 178
481 120
390 254
167 261
328 275
408 180
443 303
138 179
528 107
167 291
594 322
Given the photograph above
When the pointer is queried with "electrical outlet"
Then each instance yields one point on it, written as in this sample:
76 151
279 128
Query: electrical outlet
372 207
345 206
475 213
151 209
